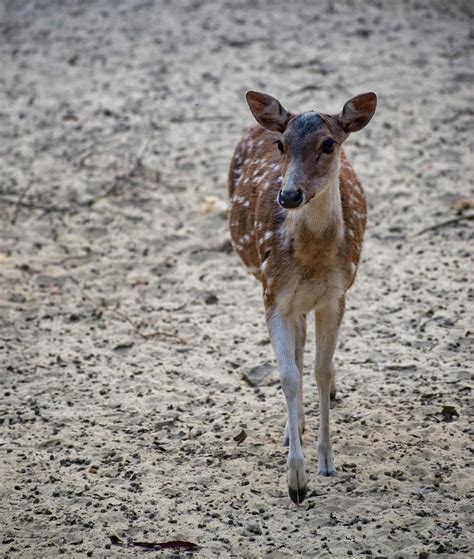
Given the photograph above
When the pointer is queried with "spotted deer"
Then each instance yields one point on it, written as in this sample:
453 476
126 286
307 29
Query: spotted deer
297 220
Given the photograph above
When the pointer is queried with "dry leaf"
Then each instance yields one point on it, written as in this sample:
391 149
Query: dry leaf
240 437
463 204
213 205
259 375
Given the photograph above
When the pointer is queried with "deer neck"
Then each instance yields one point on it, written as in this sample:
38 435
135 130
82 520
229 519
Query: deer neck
320 218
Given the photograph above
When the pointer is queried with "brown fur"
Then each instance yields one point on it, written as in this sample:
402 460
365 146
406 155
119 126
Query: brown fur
255 211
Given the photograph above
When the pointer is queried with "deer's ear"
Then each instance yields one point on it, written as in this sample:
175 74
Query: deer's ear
357 112
268 111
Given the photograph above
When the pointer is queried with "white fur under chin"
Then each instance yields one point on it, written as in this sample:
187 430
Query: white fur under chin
324 209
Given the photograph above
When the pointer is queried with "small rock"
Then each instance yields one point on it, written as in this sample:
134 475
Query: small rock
124 344
226 247
254 528
211 299
449 412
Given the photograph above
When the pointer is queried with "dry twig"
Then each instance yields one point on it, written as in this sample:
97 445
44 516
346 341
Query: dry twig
445 223
119 314
31 205
17 207
116 181
121 178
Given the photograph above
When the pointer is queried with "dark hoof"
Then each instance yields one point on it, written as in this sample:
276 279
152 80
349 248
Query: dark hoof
297 495
332 473
332 396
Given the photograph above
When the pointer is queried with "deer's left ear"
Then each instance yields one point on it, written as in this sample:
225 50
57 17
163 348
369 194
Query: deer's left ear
357 112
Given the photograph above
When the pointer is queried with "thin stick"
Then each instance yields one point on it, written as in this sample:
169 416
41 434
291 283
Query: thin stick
446 223
32 205
119 314
124 176
116 181
16 209
103 139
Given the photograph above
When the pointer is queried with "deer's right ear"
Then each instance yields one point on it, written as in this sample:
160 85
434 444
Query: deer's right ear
268 111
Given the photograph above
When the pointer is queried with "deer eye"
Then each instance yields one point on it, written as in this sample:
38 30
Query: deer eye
328 145
280 146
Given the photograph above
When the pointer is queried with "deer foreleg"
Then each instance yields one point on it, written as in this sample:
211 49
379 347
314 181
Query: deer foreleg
300 340
282 331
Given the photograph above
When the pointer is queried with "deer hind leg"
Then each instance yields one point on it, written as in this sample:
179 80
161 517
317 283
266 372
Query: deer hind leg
327 328
282 330
300 340
342 307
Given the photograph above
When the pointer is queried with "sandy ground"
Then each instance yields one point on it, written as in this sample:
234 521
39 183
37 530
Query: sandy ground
127 324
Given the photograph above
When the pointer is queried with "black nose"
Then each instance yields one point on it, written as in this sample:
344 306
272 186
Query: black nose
290 198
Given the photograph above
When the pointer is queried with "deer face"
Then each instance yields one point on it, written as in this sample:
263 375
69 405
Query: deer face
309 143
310 155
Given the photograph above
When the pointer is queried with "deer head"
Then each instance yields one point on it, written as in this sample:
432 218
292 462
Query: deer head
309 143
